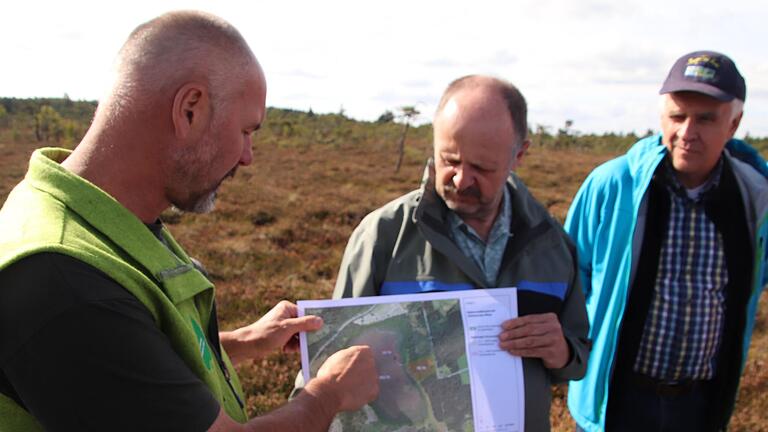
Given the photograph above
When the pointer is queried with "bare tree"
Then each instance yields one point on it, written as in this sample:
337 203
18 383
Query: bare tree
407 114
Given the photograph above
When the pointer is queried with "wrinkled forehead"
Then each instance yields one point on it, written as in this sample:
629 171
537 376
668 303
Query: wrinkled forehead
474 138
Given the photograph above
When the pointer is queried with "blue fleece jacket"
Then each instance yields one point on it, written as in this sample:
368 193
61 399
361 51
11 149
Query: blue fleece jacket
606 221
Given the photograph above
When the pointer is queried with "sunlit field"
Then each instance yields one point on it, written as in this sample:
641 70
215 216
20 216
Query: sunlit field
281 225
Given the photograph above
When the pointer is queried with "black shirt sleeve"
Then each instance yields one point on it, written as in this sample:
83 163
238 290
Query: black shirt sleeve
80 352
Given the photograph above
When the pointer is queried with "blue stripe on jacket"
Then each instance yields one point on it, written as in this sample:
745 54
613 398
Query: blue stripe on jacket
555 289
412 287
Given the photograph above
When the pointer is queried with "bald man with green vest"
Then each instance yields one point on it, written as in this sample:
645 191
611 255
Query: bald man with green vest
105 322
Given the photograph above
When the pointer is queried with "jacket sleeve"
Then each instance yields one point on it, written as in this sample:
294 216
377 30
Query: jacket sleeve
366 258
369 251
581 224
763 241
575 326
356 274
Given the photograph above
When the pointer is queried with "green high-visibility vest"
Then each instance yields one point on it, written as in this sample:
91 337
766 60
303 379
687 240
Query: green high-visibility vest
54 210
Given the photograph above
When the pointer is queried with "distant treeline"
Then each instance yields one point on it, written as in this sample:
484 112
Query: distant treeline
63 122
56 120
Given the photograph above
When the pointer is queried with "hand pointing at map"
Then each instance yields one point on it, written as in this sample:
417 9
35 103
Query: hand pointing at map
275 330
536 336
353 372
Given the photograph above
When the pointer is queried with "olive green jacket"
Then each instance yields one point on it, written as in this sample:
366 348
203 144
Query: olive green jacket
53 210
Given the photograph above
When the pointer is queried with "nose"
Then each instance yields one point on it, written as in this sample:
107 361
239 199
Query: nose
687 130
247 156
462 178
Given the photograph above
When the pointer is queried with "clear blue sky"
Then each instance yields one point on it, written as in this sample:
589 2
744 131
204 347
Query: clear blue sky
598 63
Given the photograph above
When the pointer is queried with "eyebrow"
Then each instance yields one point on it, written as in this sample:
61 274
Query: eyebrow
455 157
696 114
485 165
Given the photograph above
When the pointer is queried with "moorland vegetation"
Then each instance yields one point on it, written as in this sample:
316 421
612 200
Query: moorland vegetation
281 224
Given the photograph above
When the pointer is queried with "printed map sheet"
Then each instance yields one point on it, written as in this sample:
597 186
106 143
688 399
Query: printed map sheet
437 355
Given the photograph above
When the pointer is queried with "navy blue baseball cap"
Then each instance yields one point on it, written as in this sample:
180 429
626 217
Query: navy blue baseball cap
707 72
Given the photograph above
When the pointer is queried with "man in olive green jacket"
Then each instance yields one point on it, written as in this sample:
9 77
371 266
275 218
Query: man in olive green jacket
473 224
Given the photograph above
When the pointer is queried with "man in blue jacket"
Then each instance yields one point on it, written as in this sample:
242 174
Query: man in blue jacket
671 240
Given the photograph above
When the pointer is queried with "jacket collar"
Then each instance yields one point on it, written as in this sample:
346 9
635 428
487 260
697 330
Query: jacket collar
431 218
644 157
432 205
172 269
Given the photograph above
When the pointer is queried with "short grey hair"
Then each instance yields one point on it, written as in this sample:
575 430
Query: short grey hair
737 106
163 53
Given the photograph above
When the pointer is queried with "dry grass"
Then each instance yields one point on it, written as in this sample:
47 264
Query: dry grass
281 226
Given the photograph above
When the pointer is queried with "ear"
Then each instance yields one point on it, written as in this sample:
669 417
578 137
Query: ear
191 110
429 173
735 124
520 154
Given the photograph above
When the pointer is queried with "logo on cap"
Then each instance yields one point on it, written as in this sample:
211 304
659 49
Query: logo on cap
704 59
706 72
702 67
700 72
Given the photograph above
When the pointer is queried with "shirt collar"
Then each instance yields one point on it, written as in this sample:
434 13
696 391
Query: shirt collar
674 185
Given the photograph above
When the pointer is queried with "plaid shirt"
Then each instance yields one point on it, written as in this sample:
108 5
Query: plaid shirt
486 255
684 325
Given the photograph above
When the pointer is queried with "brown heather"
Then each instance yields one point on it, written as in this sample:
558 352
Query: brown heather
281 225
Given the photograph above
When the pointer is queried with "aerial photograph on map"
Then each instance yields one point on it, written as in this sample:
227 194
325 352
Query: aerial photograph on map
421 359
